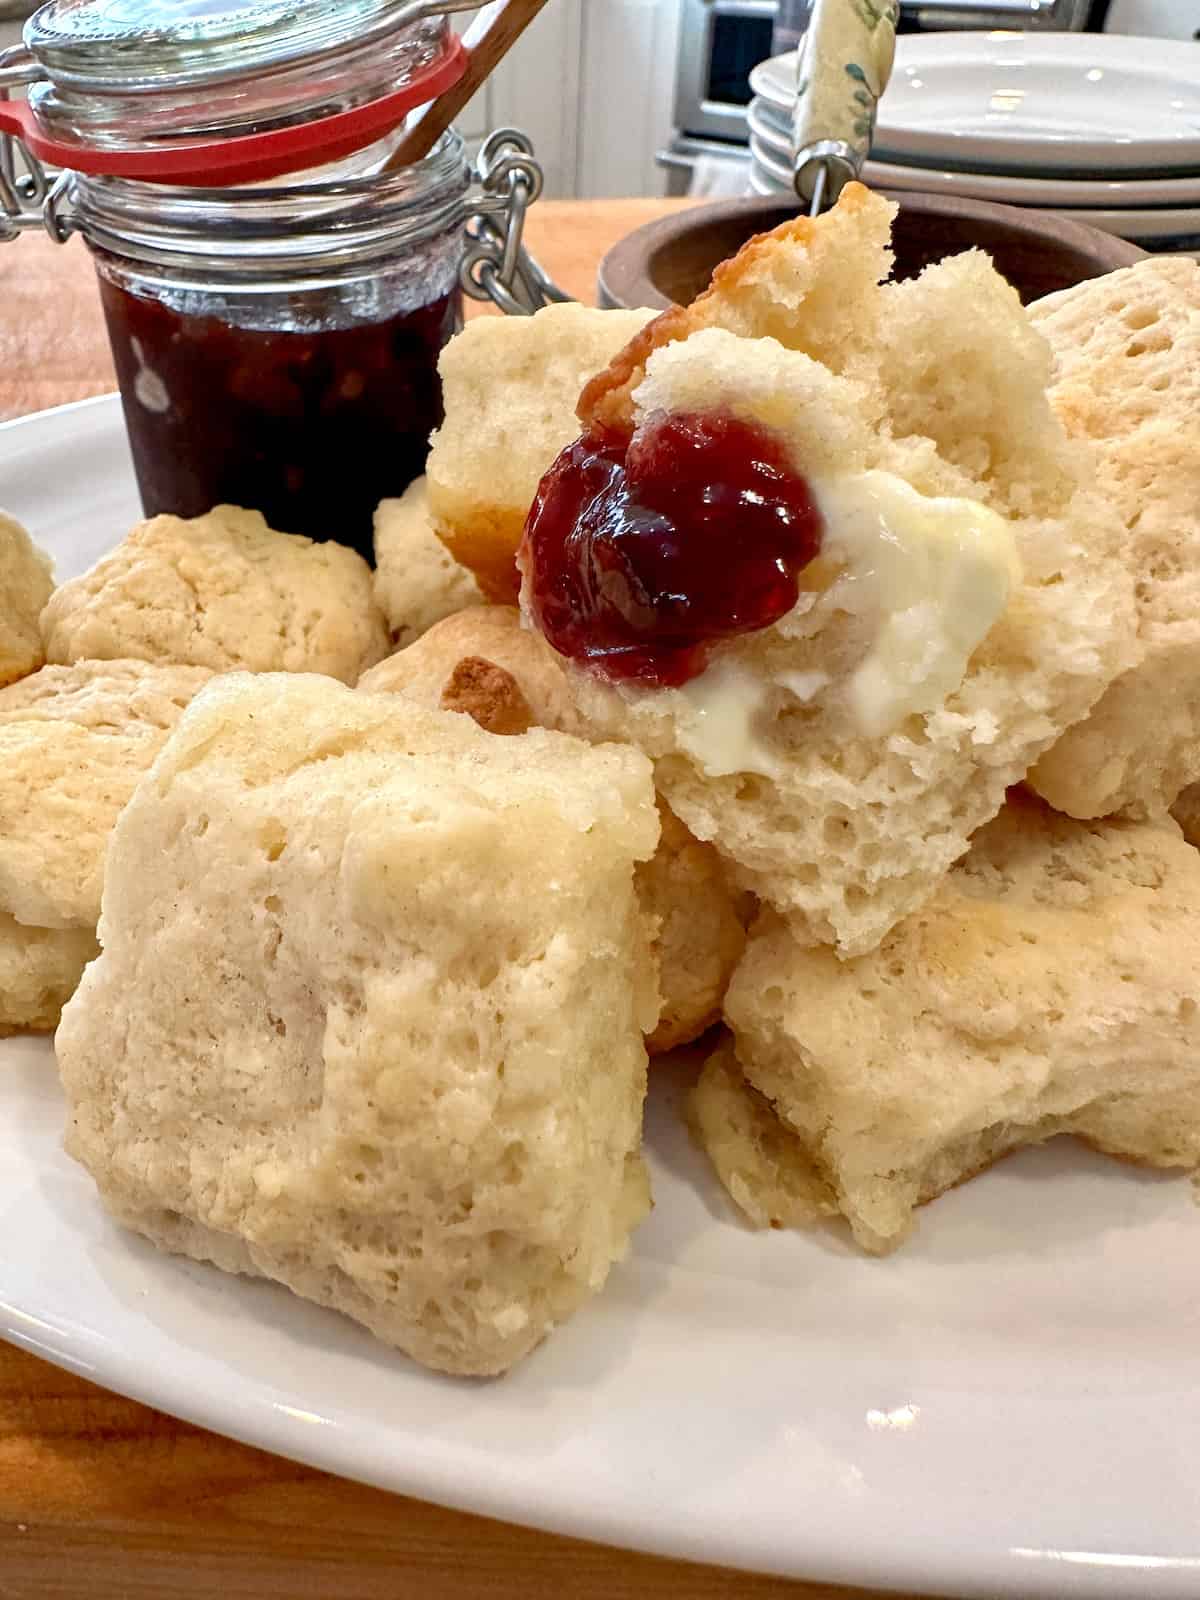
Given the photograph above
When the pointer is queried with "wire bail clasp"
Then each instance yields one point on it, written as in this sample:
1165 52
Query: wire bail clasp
496 265
24 182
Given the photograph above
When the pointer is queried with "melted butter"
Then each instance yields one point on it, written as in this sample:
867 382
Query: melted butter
718 725
936 574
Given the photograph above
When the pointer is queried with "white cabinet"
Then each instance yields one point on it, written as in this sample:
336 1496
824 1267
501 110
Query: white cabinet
591 83
537 88
627 84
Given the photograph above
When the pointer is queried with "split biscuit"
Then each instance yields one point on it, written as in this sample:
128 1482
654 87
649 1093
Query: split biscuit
222 591
1051 986
368 1018
809 283
510 386
844 828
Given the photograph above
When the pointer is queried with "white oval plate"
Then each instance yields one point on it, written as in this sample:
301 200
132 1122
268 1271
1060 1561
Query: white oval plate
1084 103
1007 1407
772 132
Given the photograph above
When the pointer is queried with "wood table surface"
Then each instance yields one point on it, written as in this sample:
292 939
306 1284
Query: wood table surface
105 1498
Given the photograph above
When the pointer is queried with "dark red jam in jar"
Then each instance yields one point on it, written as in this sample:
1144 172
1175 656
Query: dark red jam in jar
277 344
312 428
641 554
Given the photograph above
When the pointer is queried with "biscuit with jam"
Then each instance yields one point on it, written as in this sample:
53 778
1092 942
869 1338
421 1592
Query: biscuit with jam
510 386
844 603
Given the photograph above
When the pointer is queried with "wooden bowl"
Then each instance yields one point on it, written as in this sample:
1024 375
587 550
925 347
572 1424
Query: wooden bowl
671 260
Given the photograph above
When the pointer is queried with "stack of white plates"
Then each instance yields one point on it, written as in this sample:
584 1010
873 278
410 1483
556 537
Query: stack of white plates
1098 127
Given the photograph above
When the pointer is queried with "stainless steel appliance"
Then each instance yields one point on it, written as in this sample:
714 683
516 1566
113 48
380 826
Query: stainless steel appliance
721 41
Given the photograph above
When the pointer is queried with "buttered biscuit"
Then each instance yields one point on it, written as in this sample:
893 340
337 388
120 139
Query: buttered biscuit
507 678
510 387
221 591
1127 353
1051 986
368 1018
40 969
74 742
26 583
417 580
968 604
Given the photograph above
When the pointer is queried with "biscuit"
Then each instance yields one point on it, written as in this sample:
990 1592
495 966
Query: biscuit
760 1162
74 742
530 685
368 1018
510 386
507 678
1051 986
221 591
26 583
700 932
844 829
417 581
40 969
1127 349
1186 812
809 283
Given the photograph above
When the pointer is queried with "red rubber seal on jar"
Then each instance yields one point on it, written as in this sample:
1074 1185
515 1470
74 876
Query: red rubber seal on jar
251 157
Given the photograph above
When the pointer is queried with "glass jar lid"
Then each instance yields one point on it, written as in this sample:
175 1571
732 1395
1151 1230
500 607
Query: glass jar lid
212 91
127 46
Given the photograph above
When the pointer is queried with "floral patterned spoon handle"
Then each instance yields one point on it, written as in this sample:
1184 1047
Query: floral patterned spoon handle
844 63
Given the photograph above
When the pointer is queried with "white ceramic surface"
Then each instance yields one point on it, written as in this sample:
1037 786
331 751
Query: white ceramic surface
771 129
1008 1406
1078 103
770 175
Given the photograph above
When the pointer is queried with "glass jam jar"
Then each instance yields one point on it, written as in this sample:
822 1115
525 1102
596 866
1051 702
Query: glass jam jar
276 294
276 345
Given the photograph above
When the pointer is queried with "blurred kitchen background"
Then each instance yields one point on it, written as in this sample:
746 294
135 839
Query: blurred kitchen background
649 97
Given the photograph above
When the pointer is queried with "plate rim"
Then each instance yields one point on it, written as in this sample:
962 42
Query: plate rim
1007 188
917 52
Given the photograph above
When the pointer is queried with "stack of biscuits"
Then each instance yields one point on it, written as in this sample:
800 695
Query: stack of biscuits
394 902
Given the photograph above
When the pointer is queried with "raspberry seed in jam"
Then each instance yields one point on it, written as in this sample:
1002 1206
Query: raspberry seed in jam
642 553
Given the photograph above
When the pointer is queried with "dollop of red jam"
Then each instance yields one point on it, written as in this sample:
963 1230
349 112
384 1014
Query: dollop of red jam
641 554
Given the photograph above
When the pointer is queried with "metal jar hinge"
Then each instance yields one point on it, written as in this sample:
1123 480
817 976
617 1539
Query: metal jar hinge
25 186
496 265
